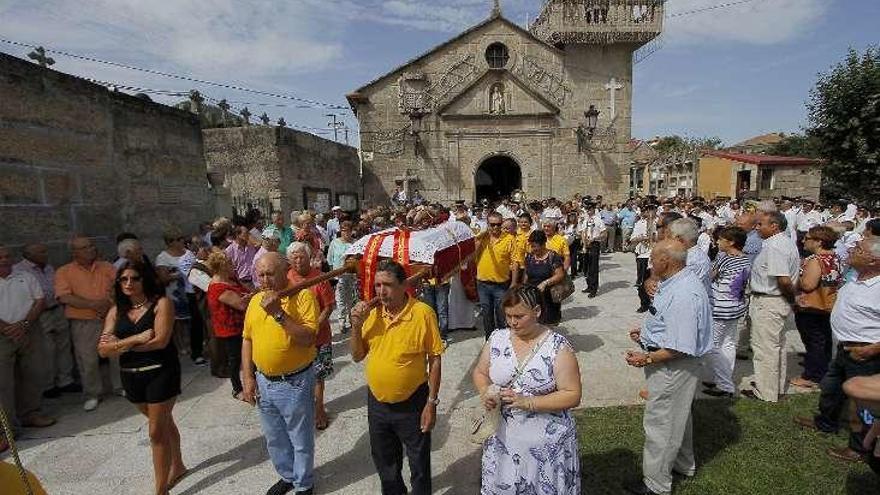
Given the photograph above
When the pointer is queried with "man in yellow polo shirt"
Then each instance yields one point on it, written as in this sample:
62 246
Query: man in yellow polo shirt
557 242
523 229
497 270
401 341
276 358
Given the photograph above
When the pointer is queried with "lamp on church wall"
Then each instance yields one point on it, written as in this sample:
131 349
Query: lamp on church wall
415 117
592 120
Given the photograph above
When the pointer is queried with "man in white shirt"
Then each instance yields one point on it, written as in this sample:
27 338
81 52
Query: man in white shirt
592 230
552 211
808 218
56 330
787 208
684 230
505 211
772 283
21 347
855 325
642 238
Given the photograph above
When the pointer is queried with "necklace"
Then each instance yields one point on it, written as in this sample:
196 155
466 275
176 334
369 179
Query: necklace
139 305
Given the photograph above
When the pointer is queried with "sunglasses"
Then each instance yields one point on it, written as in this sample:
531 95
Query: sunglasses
132 279
494 225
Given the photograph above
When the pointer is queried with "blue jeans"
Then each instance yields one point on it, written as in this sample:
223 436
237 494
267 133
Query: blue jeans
287 414
490 294
437 296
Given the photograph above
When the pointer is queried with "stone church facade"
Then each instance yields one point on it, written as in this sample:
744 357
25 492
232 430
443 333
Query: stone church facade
499 108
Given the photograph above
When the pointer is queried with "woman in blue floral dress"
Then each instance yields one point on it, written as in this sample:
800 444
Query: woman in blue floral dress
534 450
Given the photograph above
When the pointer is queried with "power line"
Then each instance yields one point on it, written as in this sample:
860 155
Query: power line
178 76
706 9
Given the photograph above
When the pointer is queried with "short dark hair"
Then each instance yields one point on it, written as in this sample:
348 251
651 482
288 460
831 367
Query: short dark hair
873 225
394 268
668 217
525 294
125 235
527 216
734 234
778 218
538 237
153 290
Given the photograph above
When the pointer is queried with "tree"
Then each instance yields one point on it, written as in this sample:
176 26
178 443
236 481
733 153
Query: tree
669 145
796 145
844 119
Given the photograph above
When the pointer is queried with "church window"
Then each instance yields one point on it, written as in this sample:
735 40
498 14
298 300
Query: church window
497 56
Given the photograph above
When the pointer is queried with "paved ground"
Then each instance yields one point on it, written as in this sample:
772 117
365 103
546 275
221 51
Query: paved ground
107 451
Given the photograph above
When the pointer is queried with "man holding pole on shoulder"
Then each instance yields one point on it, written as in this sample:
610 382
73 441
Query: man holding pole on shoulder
400 338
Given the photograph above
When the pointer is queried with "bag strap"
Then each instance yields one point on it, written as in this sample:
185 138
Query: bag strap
520 369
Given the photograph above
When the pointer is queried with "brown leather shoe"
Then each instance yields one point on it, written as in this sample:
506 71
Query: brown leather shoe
805 422
37 421
802 382
844 454
643 394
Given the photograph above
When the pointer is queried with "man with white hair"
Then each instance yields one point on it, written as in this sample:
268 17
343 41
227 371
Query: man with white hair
129 250
673 337
772 283
685 231
855 324
271 244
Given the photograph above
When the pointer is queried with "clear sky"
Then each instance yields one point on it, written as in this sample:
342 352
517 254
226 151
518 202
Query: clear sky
732 72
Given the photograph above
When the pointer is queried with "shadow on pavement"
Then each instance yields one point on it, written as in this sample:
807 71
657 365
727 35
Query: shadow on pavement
579 313
241 457
613 286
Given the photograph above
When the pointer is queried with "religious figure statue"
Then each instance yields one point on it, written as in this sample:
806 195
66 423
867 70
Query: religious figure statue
496 100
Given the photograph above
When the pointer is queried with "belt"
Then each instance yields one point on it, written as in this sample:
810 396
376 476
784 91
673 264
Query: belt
50 308
761 294
492 283
285 376
141 369
854 344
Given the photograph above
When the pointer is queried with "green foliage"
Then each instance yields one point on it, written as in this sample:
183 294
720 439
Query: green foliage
741 447
796 145
844 119
669 145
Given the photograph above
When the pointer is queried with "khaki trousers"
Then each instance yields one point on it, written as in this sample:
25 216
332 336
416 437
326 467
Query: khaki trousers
85 335
59 355
22 374
668 422
768 315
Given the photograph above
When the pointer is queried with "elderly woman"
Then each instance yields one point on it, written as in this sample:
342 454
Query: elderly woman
543 269
227 302
817 285
138 330
534 449
299 255
307 233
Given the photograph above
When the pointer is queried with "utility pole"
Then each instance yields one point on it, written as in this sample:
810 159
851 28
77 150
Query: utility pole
335 125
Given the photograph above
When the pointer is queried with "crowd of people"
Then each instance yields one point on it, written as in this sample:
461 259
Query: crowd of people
717 281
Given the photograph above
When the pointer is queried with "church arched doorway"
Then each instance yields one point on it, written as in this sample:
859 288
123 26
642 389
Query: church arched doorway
497 177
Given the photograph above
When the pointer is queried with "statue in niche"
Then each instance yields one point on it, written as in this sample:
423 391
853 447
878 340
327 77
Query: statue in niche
496 100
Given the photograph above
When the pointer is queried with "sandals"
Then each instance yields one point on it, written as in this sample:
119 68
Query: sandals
802 382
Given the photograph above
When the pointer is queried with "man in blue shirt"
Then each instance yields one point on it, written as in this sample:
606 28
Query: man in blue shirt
673 337
628 217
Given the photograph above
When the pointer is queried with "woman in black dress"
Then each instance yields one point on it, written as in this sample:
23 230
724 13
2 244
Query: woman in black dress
544 268
138 329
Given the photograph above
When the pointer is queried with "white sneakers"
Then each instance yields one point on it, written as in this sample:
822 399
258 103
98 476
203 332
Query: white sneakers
90 405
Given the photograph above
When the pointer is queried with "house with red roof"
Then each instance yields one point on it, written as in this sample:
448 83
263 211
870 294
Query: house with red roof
742 175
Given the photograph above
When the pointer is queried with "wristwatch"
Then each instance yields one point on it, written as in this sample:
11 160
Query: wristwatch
435 400
280 317
648 358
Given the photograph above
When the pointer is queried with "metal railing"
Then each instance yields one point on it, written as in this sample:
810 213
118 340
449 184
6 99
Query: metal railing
599 21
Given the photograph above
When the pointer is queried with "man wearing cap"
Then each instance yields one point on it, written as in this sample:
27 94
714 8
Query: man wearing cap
593 231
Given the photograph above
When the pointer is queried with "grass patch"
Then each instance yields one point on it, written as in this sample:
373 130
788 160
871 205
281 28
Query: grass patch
742 447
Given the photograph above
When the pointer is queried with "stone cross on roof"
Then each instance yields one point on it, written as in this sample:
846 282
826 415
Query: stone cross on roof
281 122
612 86
496 8
246 115
39 55
223 105
196 99
264 119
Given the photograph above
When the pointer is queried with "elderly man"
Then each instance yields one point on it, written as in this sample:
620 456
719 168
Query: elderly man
592 230
276 356
84 286
334 224
59 357
21 347
685 231
285 233
673 337
241 253
299 255
855 324
401 341
772 284
271 243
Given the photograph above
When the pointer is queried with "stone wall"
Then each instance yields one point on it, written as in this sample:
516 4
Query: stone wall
274 168
77 158
795 181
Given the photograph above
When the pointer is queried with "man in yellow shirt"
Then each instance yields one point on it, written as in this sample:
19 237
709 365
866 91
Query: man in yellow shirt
277 351
523 229
557 242
401 341
497 269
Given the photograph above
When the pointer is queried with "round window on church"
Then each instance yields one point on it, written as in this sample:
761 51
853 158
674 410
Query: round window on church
497 56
